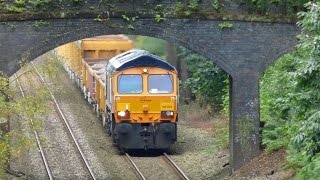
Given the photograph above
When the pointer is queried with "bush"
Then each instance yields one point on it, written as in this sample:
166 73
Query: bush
207 81
290 100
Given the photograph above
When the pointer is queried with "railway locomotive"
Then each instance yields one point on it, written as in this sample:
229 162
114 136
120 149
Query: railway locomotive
134 93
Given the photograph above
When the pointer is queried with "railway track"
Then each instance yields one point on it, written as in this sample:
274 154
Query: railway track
43 156
166 158
141 176
176 167
49 164
67 125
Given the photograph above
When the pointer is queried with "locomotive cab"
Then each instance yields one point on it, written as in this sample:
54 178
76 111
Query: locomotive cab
142 101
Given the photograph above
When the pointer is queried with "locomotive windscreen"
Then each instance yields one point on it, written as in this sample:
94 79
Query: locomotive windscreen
166 85
130 84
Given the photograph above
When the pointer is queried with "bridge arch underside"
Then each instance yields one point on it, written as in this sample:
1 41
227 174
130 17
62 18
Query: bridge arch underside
243 51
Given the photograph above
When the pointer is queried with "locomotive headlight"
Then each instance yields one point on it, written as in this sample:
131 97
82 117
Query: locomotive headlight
167 113
121 113
145 70
124 114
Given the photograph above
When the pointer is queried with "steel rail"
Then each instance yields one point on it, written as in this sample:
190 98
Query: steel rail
135 166
61 115
43 157
181 173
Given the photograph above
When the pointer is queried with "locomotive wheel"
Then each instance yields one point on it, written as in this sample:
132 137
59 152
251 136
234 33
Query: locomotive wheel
107 125
112 127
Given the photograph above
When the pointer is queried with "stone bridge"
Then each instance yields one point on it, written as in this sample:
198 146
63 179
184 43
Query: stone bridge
241 43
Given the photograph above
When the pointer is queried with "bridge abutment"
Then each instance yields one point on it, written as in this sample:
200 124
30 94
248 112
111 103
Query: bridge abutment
245 138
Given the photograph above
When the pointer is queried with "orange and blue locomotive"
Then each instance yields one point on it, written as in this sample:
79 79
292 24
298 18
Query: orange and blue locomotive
142 101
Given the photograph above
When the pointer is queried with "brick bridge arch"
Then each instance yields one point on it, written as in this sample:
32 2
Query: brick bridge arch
243 51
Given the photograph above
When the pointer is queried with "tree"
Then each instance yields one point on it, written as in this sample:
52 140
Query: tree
290 99
33 106
207 81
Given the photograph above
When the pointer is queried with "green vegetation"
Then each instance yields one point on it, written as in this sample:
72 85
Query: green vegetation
262 7
40 23
15 9
194 114
99 19
20 6
130 20
186 10
207 81
286 6
40 4
215 4
158 18
208 85
4 111
77 2
193 5
290 100
290 96
33 106
221 138
258 10
225 25
154 45
20 3
12 26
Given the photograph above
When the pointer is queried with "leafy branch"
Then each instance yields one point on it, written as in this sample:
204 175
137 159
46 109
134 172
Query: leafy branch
130 20
158 18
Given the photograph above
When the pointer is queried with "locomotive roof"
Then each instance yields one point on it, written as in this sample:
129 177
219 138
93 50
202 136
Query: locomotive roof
136 58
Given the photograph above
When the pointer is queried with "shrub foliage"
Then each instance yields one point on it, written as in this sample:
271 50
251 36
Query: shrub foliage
290 99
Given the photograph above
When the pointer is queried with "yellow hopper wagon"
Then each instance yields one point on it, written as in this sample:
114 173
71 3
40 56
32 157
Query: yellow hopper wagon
96 52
